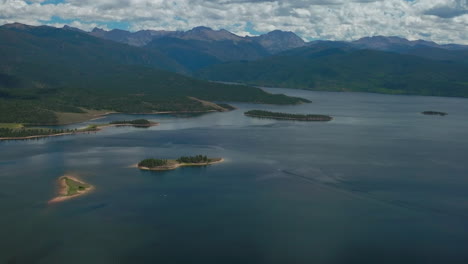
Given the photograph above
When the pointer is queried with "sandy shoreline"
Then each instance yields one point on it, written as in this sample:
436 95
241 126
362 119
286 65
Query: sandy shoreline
63 190
178 165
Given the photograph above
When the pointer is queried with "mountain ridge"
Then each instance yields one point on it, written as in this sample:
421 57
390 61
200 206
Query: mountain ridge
344 68
46 70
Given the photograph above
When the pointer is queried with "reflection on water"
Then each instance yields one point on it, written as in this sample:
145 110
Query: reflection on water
381 183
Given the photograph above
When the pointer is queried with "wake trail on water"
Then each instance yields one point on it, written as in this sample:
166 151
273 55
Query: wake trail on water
367 196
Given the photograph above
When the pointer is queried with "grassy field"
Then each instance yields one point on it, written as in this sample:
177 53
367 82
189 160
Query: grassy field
11 125
70 118
75 187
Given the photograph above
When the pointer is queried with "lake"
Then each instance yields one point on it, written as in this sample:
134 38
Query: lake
381 183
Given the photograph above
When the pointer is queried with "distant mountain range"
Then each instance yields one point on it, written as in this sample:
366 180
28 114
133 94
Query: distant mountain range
188 51
203 46
400 44
421 48
273 42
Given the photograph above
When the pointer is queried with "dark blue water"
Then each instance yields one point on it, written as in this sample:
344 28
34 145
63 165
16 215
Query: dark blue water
381 183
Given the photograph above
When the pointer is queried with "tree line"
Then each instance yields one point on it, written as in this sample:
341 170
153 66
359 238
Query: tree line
268 114
151 163
28 132
133 122
193 159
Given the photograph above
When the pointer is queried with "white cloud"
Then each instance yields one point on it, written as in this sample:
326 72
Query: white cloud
437 20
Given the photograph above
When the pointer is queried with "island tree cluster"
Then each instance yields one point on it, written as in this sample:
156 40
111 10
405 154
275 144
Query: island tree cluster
151 163
434 113
132 122
193 159
288 116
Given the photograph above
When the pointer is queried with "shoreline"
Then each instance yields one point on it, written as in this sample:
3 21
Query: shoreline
44 136
100 116
177 165
99 128
63 190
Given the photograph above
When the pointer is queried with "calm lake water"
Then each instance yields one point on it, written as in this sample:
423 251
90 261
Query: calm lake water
381 183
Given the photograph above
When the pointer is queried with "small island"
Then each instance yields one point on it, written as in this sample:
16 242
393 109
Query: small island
22 132
165 164
134 123
286 116
434 113
71 187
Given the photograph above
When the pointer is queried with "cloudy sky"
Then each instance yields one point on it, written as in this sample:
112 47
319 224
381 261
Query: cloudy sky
442 21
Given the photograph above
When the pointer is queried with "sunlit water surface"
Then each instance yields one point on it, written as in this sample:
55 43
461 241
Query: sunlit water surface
381 183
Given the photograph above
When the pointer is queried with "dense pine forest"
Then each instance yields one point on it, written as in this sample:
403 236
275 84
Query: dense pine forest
194 159
151 163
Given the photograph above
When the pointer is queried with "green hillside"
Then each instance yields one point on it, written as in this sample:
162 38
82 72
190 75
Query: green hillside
196 54
45 70
346 69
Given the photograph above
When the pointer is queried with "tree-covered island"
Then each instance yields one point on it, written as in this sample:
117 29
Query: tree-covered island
286 116
168 164
135 123
434 113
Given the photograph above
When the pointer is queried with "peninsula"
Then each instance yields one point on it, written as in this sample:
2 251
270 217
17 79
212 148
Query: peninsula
434 113
21 132
286 116
71 187
164 164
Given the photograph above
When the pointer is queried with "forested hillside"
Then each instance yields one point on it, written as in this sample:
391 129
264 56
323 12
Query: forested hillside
44 70
196 54
338 67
